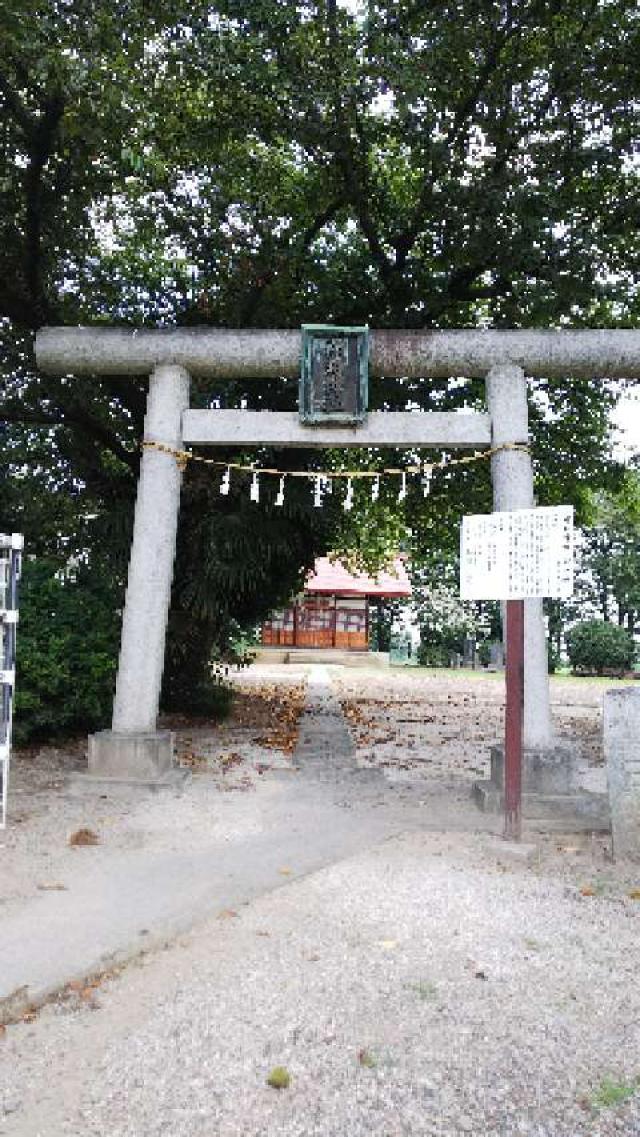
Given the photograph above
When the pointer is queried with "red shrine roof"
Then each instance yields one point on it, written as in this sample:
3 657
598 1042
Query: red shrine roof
333 577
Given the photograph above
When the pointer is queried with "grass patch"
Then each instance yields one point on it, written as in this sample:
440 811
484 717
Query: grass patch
610 1093
531 944
600 680
424 990
279 1078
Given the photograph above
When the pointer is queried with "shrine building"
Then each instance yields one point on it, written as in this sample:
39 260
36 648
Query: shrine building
333 610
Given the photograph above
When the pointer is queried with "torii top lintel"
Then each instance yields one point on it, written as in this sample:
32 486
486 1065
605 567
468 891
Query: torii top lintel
230 353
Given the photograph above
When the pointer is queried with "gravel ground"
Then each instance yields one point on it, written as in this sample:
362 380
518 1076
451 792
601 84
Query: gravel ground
432 984
440 725
426 986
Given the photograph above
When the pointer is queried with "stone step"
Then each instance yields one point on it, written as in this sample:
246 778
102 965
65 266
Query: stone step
563 812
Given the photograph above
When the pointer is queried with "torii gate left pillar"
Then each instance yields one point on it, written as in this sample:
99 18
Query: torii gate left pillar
134 750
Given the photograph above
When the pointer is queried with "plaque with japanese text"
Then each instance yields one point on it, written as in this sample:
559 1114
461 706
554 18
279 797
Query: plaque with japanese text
334 375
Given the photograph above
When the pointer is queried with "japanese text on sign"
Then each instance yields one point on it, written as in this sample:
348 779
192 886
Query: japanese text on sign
518 554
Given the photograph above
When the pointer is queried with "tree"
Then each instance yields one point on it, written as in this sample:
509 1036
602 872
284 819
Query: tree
611 552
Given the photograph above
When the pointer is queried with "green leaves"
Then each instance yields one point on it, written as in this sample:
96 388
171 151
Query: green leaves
595 646
67 651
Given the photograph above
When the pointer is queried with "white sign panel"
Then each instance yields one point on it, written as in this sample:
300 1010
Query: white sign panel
517 554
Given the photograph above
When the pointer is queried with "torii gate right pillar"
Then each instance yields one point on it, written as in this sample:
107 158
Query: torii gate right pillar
548 768
512 477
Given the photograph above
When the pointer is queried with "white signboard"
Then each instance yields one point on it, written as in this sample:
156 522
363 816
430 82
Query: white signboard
517 554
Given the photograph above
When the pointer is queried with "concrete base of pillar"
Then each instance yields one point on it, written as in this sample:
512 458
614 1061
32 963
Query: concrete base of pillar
122 763
551 797
145 756
545 770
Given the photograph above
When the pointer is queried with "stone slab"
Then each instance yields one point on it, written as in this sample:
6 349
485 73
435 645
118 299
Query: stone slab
511 850
621 738
562 812
335 657
91 785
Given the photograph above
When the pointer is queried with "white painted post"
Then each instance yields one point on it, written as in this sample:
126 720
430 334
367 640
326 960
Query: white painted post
152 555
512 476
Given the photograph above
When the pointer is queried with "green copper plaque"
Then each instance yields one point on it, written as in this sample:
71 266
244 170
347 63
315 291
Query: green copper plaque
334 379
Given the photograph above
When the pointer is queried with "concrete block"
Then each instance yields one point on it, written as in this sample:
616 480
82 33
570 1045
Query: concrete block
142 756
621 736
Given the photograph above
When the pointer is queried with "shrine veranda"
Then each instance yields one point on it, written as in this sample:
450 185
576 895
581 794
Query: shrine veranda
134 750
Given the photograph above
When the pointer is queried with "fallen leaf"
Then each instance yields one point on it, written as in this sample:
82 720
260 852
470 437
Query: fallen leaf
232 758
84 837
634 894
53 887
588 890
285 872
227 914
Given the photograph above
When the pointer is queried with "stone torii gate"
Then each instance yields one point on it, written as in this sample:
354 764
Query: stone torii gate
134 750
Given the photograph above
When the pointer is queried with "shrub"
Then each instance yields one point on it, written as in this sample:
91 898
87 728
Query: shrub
596 646
554 658
208 698
67 656
67 651
434 655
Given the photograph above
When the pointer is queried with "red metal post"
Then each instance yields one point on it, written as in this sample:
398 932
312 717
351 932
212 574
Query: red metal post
513 720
